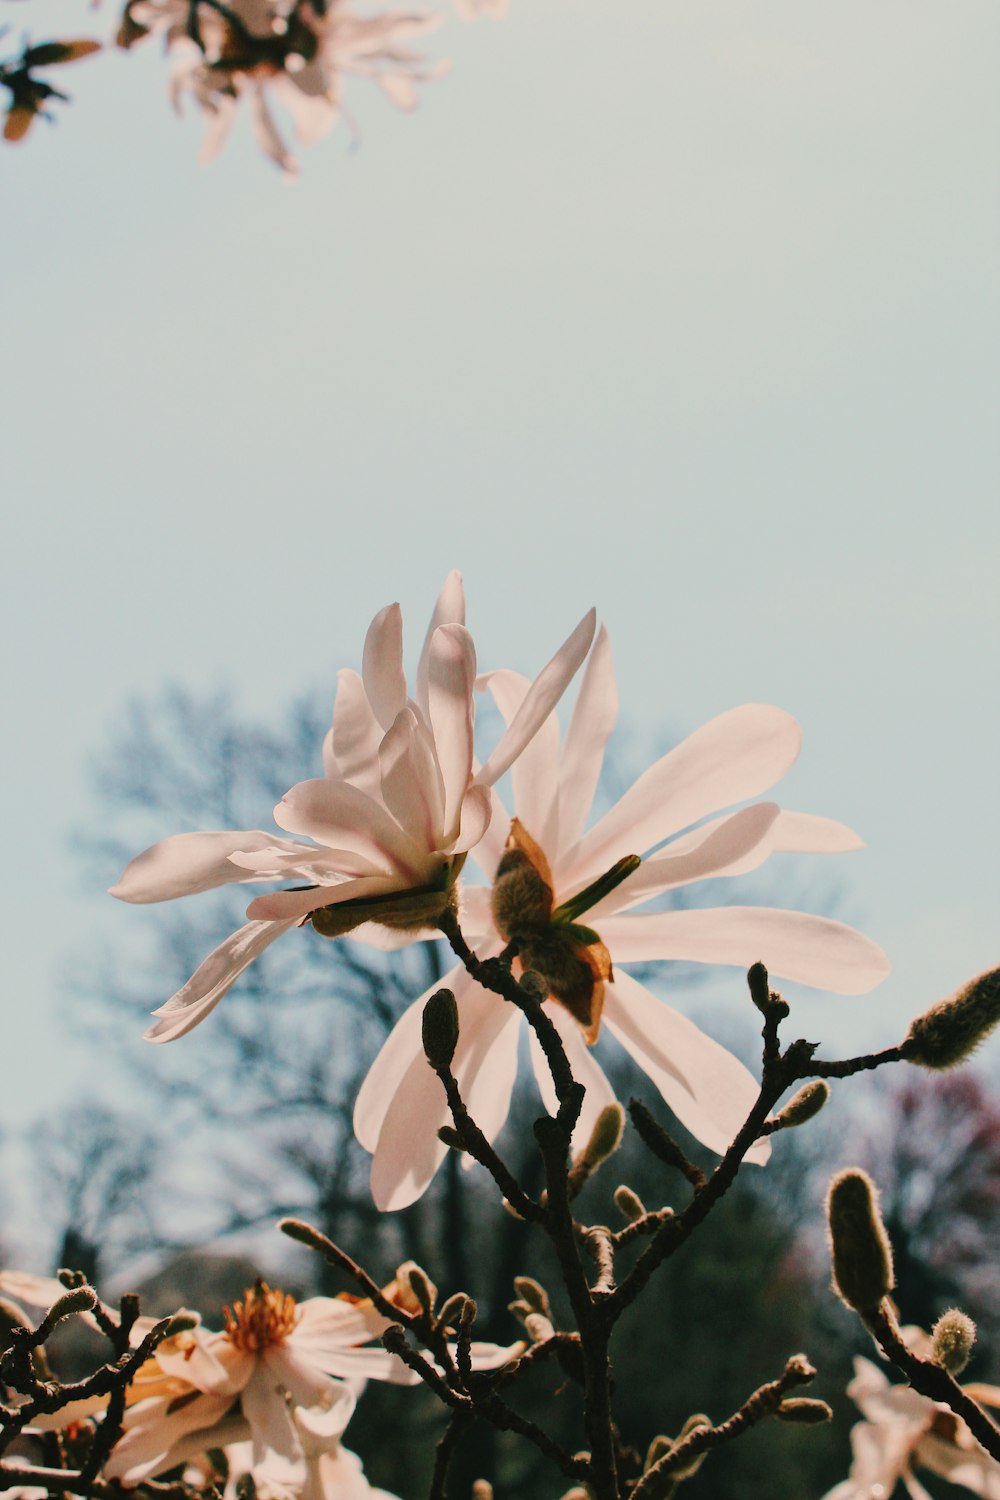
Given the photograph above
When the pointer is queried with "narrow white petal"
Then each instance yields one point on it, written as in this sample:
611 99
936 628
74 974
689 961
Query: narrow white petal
535 773
732 758
449 610
708 1089
793 945
356 734
187 863
451 679
382 665
541 698
339 816
212 979
594 715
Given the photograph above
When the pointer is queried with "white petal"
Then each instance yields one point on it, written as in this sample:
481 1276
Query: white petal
212 979
339 816
794 945
187 863
594 715
408 1151
535 773
382 665
708 1089
732 758
356 734
541 698
411 783
449 610
475 912
790 833
477 810
728 844
398 1050
489 851
266 133
450 681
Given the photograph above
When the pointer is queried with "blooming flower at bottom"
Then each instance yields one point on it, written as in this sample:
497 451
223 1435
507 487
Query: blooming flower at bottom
392 819
548 880
903 1430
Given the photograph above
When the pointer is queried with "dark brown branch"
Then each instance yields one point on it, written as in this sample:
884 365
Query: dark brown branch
662 1145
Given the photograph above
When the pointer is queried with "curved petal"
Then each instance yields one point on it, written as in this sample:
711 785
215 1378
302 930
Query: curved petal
451 678
292 906
449 610
972 1470
487 1092
790 833
540 699
811 950
339 816
212 978
732 758
188 863
594 716
408 1151
401 1047
585 1068
382 665
708 1089
477 810
355 735
411 782
535 773
154 1434
728 844
488 852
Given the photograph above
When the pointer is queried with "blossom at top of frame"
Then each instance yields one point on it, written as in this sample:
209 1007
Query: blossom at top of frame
903 1430
392 821
547 879
296 55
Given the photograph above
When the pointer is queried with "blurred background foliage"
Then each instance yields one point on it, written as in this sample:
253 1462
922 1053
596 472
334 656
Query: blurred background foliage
170 1182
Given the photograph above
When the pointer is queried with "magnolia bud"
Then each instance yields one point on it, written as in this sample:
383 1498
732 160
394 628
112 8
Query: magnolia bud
181 1322
629 1204
804 1105
606 1136
297 1229
538 1328
952 1338
79 1299
804 1409
482 1490
420 1284
533 1294
440 1029
862 1255
951 1031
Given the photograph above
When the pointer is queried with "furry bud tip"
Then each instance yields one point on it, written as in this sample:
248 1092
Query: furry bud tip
804 1409
862 1255
952 1338
78 1299
950 1031
804 1105
629 1204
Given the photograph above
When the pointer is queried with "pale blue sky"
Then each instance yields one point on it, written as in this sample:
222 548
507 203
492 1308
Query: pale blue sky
688 310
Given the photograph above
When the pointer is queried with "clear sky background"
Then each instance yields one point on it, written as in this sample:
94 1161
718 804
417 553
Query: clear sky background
686 308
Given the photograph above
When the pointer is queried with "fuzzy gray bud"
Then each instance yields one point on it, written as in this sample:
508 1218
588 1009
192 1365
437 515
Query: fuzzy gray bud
950 1031
79 1299
538 1327
606 1136
297 1229
804 1105
420 1284
439 1029
531 1292
862 1255
952 1338
804 1409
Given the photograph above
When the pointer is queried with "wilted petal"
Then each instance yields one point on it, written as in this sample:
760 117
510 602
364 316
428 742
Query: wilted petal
382 665
708 1089
793 944
187 863
212 978
732 758
594 715
539 701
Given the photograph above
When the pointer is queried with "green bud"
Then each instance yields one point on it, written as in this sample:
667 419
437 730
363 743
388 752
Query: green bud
440 1029
297 1229
450 1137
629 1204
952 1338
950 1031
181 1323
760 989
804 1105
533 1294
804 1409
862 1255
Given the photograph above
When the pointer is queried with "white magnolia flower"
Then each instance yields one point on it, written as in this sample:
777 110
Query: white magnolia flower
903 1430
297 56
392 820
327 1470
551 861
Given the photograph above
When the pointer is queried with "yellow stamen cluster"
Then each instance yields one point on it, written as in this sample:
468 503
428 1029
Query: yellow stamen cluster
263 1318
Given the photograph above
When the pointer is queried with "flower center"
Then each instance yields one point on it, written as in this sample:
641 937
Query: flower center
266 1316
